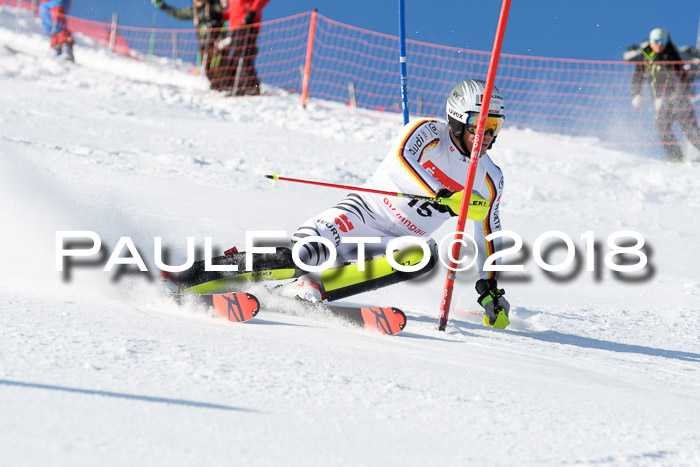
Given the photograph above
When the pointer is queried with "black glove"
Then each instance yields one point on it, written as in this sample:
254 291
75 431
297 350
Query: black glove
249 17
439 207
491 298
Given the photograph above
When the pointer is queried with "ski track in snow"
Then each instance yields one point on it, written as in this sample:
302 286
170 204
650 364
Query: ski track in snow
102 368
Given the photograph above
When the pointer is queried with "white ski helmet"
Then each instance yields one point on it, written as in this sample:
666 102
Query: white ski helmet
465 102
659 34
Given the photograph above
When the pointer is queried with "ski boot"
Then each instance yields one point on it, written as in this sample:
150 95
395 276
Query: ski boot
169 282
304 288
67 52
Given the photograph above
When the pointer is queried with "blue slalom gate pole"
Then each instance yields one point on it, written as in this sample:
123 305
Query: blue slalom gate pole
402 61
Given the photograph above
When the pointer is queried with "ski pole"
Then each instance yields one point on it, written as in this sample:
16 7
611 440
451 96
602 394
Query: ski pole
152 40
274 177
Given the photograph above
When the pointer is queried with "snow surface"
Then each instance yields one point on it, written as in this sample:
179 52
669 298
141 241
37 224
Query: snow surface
98 368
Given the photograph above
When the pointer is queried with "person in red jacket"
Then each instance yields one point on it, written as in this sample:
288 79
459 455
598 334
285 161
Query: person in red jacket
53 21
244 17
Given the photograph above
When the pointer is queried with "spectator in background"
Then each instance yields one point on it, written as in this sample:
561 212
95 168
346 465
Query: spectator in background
244 17
207 16
671 90
53 21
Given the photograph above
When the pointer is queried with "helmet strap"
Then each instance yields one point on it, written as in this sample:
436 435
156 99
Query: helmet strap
492 141
457 131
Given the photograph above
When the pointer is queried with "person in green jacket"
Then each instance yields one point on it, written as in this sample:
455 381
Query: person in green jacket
671 89
207 16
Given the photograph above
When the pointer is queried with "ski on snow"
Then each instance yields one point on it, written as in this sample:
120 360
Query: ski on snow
241 306
385 320
233 306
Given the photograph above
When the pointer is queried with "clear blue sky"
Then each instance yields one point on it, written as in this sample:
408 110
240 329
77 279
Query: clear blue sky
588 29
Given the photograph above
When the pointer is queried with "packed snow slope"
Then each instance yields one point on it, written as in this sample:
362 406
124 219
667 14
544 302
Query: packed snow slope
101 368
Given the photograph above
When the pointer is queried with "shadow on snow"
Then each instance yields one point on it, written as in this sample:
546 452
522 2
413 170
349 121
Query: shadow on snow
121 395
560 338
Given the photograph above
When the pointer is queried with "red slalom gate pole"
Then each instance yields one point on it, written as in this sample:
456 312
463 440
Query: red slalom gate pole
307 63
473 162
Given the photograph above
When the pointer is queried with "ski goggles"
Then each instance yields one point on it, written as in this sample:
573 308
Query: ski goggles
494 124
661 41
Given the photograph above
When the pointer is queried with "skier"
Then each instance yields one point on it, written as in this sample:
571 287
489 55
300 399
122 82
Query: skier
244 17
671 90
53 22
429 157
207 16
